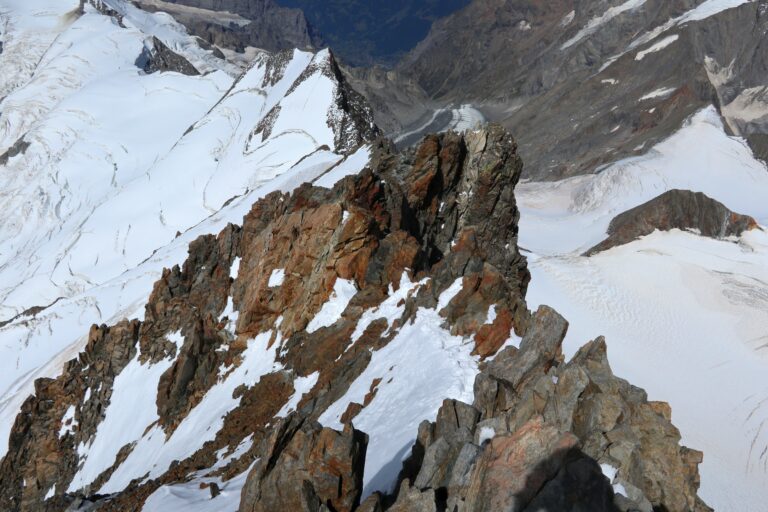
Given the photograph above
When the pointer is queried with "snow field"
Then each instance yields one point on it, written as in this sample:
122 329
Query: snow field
685 317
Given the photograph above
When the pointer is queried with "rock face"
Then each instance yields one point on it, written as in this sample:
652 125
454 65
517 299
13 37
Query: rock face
306 467
260 23
158 57
366 33
759 144
675 209
396 100
543 434
243 312
586 83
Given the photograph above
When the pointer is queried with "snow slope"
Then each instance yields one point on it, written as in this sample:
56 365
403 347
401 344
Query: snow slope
409 391
124 169
685 317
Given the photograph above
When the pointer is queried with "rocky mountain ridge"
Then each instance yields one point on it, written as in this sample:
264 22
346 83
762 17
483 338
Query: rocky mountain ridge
300 293
312 330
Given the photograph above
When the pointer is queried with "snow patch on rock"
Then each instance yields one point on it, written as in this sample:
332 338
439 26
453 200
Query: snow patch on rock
301 386
130 411
595 23
657 47
276 278
343 291
154 453
68 422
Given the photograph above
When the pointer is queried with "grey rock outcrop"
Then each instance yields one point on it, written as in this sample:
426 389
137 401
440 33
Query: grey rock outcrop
156 56
675 209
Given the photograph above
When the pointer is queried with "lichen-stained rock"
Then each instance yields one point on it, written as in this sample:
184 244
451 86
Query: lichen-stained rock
675 209
304 467
513 468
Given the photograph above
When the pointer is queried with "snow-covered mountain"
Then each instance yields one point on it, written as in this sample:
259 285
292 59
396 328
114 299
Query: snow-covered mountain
221 290
119 170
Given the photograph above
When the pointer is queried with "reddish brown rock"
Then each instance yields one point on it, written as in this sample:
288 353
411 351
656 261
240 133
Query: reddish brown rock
490 337
305 466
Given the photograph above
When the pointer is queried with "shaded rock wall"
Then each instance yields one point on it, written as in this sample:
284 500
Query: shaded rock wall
271 27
